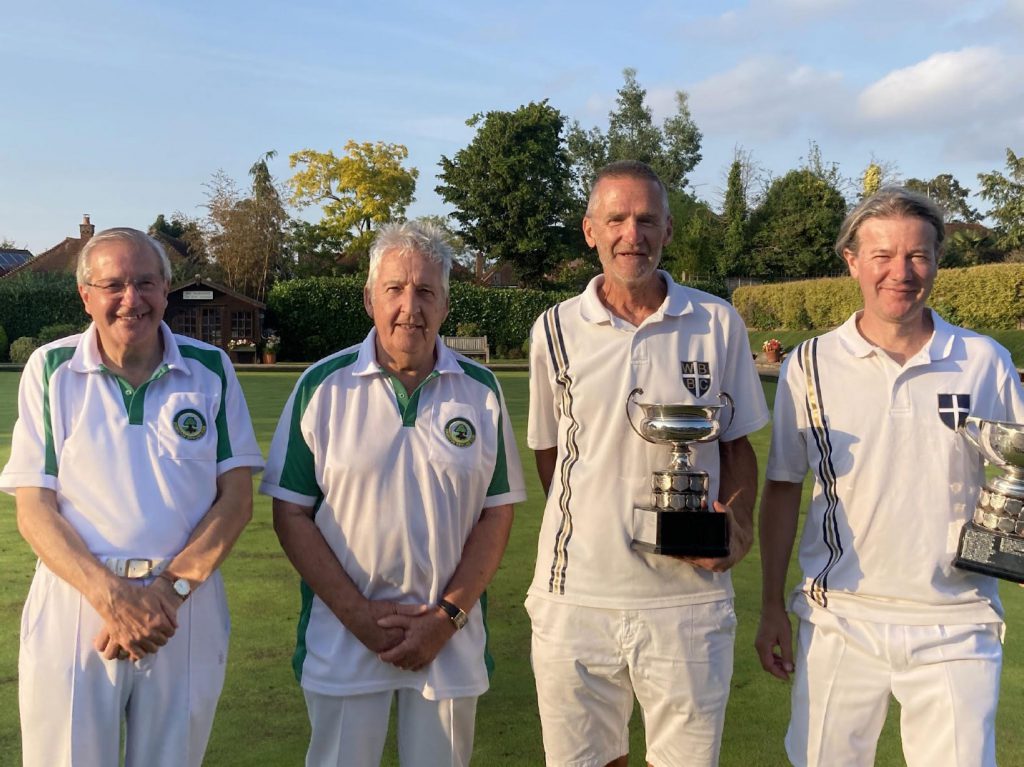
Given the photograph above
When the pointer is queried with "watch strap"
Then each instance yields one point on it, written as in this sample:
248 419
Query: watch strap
455 613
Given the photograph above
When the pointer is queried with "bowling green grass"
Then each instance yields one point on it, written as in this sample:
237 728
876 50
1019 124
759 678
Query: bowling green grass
262 720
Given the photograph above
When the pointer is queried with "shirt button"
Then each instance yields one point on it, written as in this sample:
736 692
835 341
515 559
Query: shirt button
129 392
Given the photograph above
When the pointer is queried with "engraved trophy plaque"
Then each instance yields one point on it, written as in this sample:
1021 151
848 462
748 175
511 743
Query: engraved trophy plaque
993 541
680 520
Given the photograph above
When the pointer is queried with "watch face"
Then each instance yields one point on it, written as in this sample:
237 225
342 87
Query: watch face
182 588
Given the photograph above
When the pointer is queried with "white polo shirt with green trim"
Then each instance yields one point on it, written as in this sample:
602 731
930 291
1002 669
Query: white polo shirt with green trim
135 470
398 482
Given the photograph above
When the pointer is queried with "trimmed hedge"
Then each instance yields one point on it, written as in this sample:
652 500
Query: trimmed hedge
316 316
987 296
30 302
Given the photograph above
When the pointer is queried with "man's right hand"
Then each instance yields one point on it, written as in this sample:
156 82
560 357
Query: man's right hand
138 620
363 625
774 642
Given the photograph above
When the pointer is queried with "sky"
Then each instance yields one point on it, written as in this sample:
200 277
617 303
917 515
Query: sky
124 110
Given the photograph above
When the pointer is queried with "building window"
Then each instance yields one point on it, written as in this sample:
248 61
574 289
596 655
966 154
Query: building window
186 322
241 326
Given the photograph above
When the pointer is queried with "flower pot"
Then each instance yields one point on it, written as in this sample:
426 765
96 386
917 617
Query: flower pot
269 358
773 356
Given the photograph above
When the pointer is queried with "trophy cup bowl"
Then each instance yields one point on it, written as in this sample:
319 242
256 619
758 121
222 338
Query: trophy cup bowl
993 541
679 521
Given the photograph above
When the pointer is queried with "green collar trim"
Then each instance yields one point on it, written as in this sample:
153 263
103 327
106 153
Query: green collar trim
135 399
408 404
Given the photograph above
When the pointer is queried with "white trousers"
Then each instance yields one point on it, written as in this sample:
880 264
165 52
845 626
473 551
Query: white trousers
73 702
946 679
350 730
590 662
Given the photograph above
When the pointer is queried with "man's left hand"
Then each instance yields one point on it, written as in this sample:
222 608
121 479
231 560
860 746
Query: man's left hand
741 538
427 629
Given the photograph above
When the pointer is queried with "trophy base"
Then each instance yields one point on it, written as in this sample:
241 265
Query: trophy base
991 553
680 533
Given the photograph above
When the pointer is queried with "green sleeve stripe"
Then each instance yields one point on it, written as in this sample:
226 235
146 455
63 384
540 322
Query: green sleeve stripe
299 656
213 361
299 471
499 480
54 359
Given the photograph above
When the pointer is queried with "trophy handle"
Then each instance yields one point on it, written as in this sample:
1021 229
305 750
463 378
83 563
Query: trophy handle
971 429
724 396
629 416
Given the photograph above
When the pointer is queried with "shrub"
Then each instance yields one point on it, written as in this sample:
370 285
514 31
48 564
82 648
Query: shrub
53 332
22 349
3 344
30 302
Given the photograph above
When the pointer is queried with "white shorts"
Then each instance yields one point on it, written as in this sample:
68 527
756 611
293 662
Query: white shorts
946 679
73 702
589 663
350 730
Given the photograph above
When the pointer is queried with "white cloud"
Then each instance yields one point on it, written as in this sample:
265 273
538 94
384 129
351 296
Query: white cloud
953 87
765 97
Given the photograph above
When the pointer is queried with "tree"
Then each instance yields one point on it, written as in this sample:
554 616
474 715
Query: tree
871 181
510 188
795 226
359 191
315 251
947 193
734 214
672 150
246 235
1006 194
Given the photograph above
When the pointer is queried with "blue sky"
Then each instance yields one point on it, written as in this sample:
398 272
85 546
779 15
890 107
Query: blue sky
124 110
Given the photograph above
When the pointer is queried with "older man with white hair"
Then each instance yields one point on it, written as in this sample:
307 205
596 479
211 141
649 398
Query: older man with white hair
131 465
394 472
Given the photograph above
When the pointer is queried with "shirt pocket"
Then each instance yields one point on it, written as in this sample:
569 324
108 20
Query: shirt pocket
185 429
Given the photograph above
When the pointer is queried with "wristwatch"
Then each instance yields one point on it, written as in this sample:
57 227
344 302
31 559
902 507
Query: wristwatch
455 613
181 586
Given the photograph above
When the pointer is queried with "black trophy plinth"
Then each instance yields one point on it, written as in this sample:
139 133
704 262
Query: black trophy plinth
681 533
991 553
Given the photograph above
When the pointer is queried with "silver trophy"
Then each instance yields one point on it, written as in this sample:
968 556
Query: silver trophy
680 520
993 541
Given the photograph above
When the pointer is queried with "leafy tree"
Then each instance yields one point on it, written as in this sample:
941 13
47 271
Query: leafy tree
1006 194
697 235
246 235
795 226
871 181
510 188
359 191
672 150
947 193
969 244
315 250
185 235
734 214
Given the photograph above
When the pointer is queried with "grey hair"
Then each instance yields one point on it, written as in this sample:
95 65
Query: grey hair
428 240
141 240
889 202
628 169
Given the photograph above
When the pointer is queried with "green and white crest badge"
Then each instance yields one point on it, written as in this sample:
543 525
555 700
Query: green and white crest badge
460 432
190 424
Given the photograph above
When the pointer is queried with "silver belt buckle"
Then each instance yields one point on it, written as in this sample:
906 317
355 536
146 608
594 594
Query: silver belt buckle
131 568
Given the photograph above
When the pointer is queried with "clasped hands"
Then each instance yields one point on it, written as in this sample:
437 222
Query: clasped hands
408 636
137 620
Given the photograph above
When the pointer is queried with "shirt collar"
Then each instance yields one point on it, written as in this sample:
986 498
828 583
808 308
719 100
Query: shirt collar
677 302
87 357
938 347
367 365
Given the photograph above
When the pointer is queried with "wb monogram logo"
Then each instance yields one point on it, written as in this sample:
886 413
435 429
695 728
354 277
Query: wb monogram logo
696 377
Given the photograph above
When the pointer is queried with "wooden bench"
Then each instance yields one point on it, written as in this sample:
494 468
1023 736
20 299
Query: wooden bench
469 345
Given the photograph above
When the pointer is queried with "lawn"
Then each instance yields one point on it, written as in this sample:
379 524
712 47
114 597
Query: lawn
261 719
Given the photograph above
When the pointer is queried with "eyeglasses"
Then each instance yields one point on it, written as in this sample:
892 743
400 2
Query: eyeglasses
144 287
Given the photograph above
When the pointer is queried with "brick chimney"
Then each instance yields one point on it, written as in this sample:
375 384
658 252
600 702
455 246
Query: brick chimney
85 229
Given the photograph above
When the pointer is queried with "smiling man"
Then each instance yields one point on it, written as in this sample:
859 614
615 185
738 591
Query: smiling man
394 472
131 464
872 409
611 623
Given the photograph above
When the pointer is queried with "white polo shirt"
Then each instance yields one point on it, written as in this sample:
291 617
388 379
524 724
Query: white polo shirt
397 486
894 481
584 362
135 470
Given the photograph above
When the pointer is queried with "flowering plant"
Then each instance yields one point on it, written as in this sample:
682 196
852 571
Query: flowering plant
272 342
772 345
238 343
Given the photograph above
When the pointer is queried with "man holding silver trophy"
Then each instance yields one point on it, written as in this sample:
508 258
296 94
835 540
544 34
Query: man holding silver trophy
631 596
883 411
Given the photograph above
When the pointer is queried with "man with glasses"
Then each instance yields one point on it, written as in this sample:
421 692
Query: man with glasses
131 465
